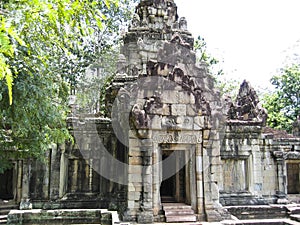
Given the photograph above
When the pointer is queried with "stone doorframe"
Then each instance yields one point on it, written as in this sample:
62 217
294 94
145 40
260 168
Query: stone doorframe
190 183
179 169
144 172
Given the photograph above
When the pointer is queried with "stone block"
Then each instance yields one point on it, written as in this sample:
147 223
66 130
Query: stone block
135 153
183 97
206 134
145 218
135 169
131 188
135 160
178 110
148 188
199 121
184 122
147 143
168 97
148 170
134 178
191 110
134 142
138 186
147 179
130 204
131 196
166 109
215 151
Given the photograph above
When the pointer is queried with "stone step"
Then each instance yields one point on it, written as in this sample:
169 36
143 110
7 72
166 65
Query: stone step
5 208
60 216
4 211
181 218
3 219
295 217
168 206
179 212
294 210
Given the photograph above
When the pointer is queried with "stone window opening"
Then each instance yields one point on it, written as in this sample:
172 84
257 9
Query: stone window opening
6 185
293 178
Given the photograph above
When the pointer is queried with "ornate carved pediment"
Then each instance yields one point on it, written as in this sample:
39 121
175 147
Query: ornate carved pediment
247 106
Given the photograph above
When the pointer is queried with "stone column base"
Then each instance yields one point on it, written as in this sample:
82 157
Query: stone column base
145 217
129 216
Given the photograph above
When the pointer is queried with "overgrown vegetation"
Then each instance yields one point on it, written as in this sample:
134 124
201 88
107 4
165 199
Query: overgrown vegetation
45 48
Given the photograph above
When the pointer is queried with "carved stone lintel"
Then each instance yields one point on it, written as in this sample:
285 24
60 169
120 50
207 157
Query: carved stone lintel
180 138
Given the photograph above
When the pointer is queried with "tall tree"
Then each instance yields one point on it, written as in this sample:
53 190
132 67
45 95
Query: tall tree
45 47
283 104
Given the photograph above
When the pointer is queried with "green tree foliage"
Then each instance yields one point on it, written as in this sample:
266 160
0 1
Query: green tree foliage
8 41
283 104
45 47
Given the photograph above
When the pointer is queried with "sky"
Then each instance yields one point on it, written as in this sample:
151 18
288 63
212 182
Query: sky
251 38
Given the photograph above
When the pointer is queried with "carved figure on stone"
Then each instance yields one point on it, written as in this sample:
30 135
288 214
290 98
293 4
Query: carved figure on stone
135 21
201 103
145 21
121 64
139 117
183 24
176 38
141 43
177 75
296 127
152 104
135 71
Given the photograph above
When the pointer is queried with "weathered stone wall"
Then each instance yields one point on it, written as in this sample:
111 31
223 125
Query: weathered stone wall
254 157
249 170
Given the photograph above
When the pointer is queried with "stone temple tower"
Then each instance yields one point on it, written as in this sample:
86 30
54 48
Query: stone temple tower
154 21
161 103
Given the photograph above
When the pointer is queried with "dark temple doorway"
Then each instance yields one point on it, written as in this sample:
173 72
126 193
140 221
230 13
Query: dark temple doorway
172 189
6 185
293 181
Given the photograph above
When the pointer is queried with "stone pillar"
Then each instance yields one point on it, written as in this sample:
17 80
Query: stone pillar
63 173
46 177
55 172
193 177
74 185
281 169
199 182
25 199
135 181
19 180
26 179
156 176
146 214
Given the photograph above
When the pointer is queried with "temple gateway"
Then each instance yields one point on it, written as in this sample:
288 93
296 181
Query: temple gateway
169 148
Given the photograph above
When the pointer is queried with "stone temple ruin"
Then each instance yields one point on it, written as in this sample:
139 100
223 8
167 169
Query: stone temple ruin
170 147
